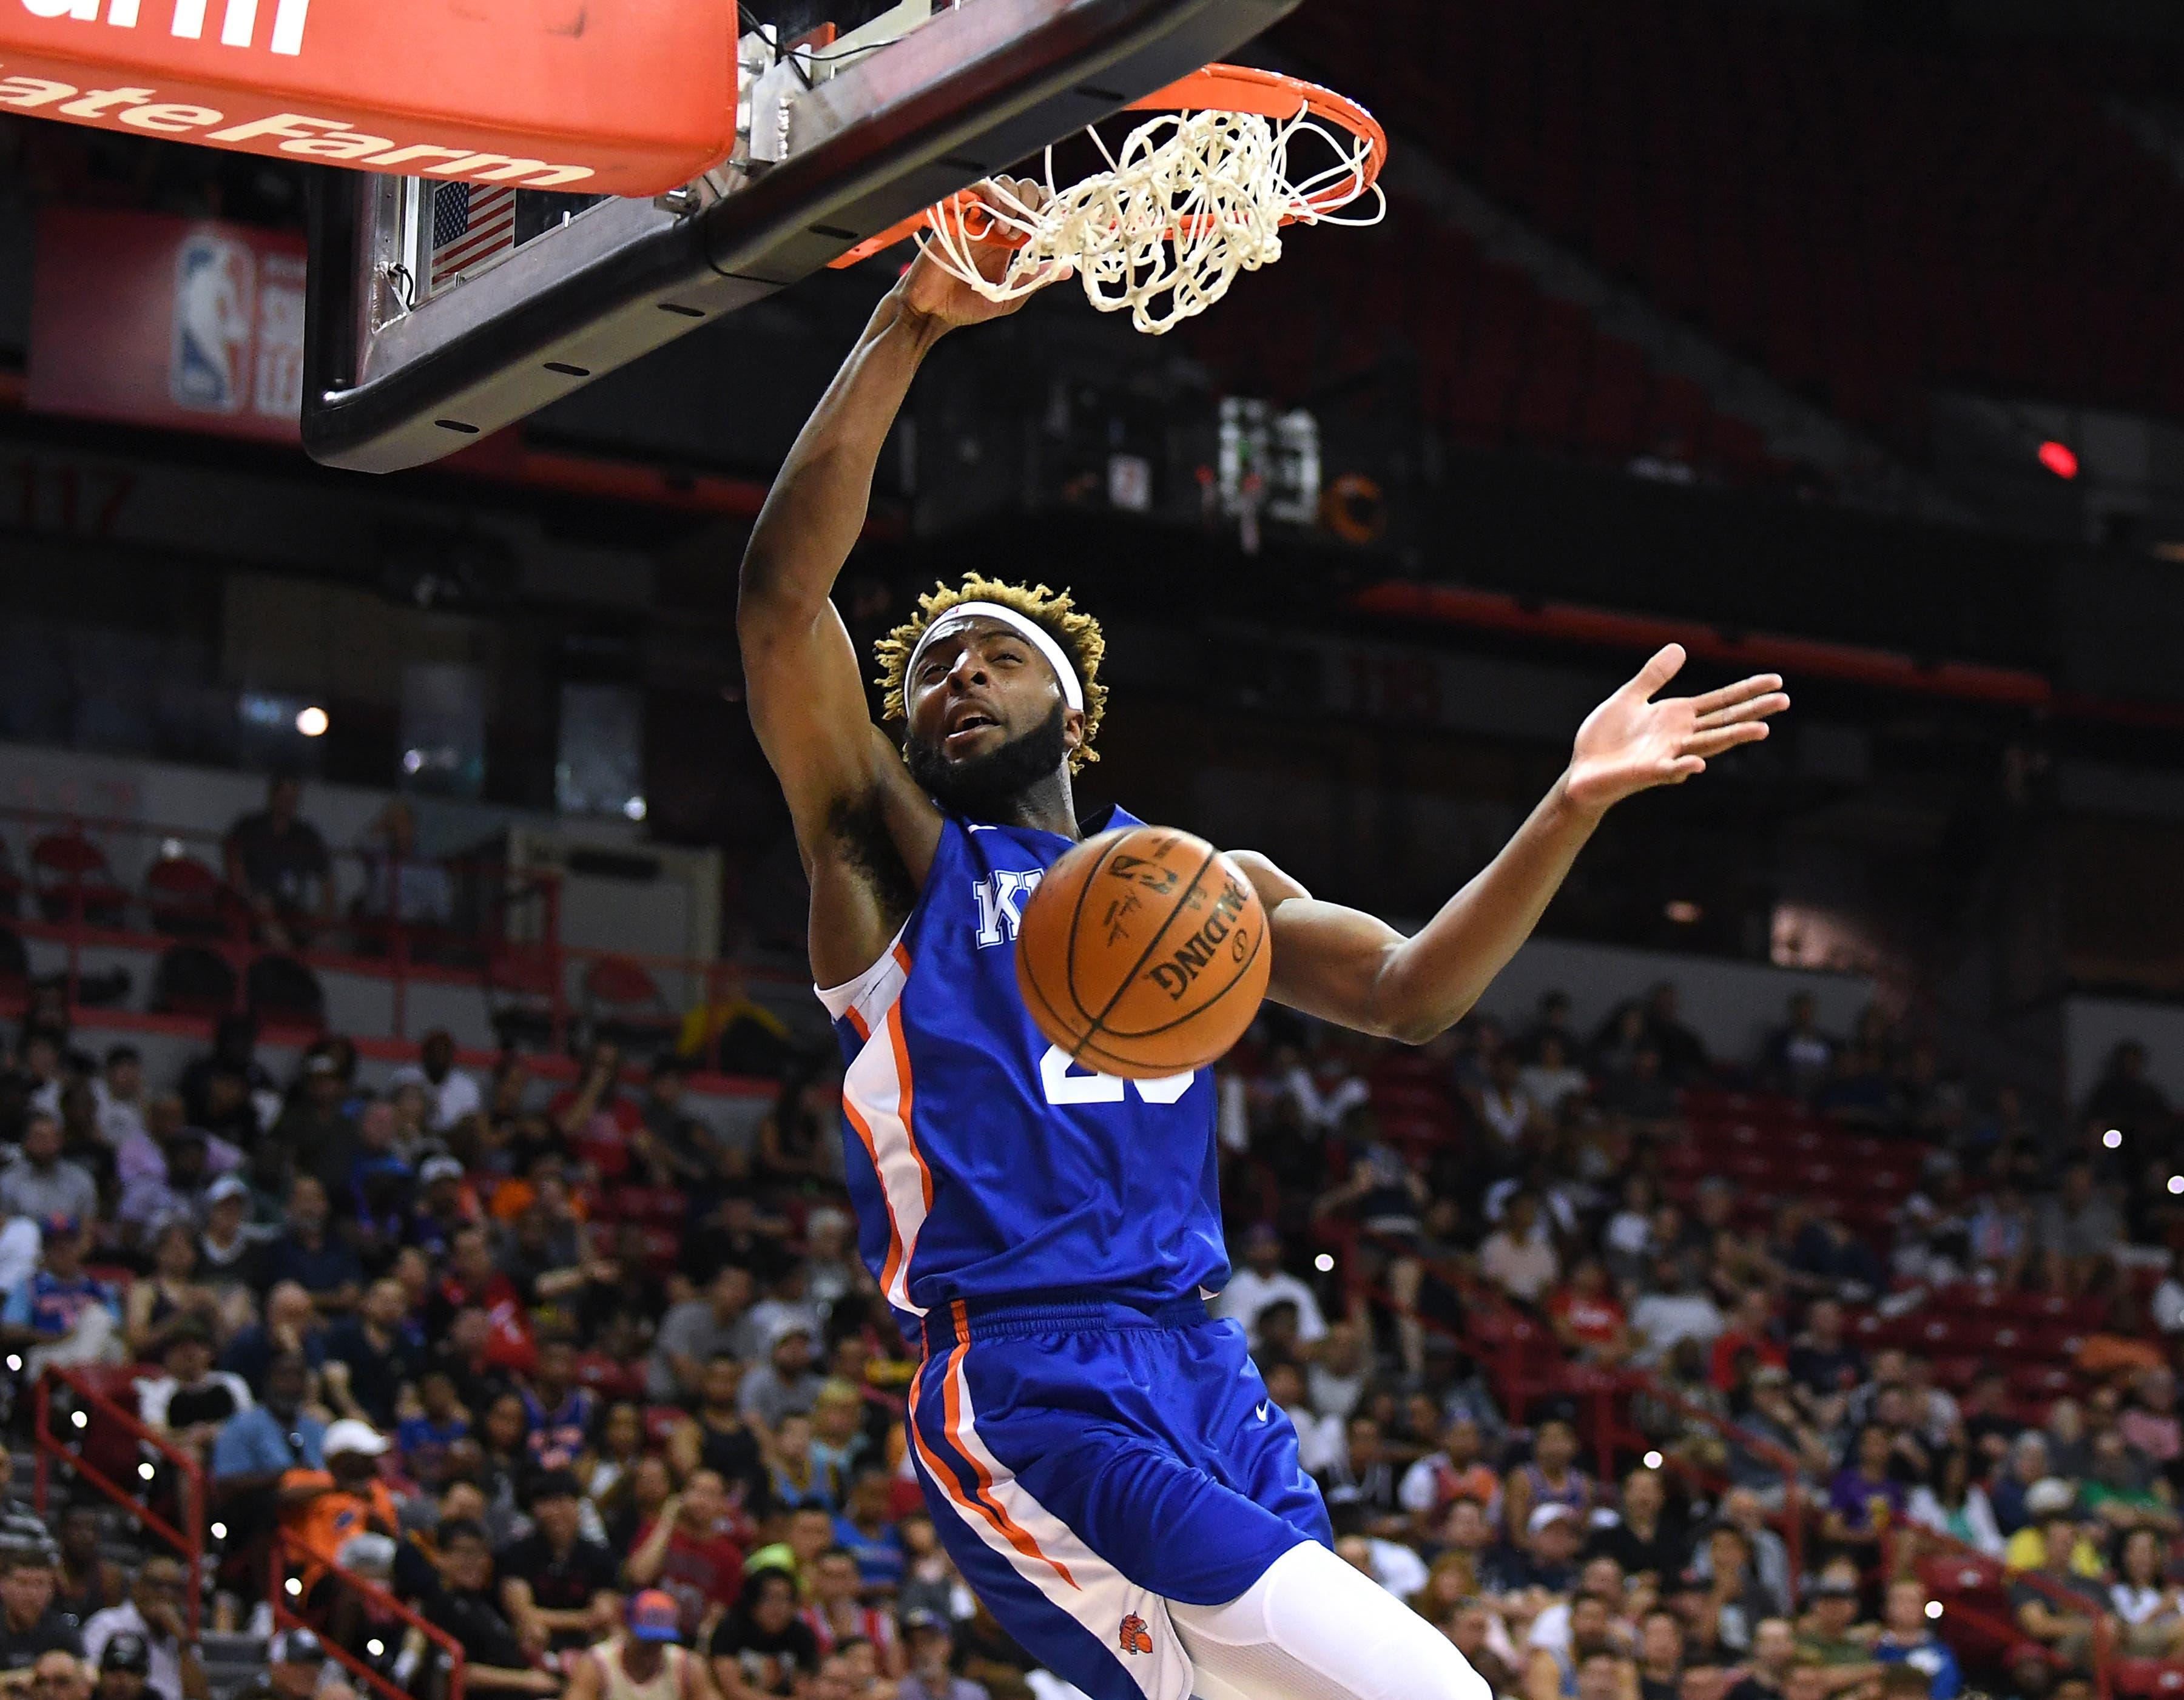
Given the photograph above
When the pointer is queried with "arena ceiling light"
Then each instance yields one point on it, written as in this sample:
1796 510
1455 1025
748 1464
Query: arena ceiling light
311 721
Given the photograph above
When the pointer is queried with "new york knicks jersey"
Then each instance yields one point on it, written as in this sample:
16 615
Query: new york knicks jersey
982 1160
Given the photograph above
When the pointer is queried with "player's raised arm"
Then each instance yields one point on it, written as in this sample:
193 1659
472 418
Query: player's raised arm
1348 967
800 670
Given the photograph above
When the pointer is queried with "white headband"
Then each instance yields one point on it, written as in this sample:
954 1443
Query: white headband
1072 692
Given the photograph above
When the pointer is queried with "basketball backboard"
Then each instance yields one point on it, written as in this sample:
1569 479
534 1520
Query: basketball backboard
442 310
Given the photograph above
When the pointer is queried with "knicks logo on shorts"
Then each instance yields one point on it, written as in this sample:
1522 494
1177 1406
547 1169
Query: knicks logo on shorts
1135 1636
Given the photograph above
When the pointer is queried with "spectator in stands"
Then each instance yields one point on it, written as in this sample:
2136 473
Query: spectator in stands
687 1551
1543 1557
295 1669
41 1183
308 1253
2053 1603
2147 1605
1553 1079
1588 1319
29 1623
319 1124
166 1168
1774 1652
1676 1308
56 1675
119 1094
372 1354
1798 1056
929 1644
63 1315
1260 1281
257 1446
1645 1538
1551 1477
1504 1105
1519 1256
169 1297
675 1149
1683 1052
124 1669
697 1330
454 1591
787 1383
761 1646
2078 1231
598 1119
451 1096
1864 1499
189 1403
1827 1633
799 1148
2124 1098
1956 1505
398 883
1907 1637
229 1263
840 1614
152 1613
733 1033
85 1580
277 862
558 1588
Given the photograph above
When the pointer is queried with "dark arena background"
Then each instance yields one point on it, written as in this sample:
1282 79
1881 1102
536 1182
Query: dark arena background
425 1215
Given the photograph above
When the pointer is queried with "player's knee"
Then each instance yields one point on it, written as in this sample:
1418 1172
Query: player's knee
1459 1681
1439 1670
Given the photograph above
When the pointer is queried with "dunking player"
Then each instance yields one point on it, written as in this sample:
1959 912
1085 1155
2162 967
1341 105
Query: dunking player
1102 1459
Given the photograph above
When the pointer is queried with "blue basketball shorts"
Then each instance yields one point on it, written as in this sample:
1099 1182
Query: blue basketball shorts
1087 1463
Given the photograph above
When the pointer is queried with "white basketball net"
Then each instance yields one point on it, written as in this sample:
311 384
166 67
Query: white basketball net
1191 199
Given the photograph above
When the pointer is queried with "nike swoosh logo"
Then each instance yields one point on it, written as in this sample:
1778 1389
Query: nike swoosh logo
1263 1413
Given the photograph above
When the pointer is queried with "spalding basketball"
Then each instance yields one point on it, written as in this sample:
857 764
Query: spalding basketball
1144 953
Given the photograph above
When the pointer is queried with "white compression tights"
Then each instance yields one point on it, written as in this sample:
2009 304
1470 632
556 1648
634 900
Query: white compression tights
1314 1628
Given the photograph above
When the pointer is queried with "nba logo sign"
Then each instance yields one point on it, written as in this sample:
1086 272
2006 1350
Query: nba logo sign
215 279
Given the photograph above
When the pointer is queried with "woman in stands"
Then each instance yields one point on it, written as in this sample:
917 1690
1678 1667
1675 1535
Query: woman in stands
2144 1599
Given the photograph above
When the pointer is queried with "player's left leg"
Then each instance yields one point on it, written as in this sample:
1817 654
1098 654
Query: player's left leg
1314 1628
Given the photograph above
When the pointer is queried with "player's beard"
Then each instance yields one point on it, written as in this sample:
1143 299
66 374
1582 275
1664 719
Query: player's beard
989 787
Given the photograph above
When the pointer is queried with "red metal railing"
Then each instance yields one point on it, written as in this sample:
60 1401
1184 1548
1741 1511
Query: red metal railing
189 1539
279 1584
2004 1630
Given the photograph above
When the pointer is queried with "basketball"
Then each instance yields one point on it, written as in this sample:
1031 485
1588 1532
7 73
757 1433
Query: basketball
1144 953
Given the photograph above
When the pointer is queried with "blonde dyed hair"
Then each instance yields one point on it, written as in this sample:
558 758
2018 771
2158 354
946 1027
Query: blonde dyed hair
1053 611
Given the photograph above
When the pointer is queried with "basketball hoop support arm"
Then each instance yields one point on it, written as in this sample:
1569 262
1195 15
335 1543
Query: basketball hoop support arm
894 129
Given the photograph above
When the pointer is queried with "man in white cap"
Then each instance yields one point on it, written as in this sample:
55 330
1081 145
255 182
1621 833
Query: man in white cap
323 1508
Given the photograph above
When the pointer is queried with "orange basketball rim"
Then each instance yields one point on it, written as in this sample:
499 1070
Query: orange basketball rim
545 94
1215 88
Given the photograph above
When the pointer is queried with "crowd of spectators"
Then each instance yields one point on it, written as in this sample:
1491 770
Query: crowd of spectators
551 1367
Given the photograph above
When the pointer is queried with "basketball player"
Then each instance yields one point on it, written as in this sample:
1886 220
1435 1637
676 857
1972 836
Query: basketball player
1102 1460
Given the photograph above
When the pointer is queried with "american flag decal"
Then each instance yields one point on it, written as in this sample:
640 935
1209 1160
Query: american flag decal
471 222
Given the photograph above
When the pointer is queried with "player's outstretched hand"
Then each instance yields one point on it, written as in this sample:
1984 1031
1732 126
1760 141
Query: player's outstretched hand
1631 742
929 288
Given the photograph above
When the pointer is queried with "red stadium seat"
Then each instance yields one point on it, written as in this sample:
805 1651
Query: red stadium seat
73 875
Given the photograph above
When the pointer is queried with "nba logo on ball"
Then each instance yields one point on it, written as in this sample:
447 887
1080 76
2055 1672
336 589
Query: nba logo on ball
215 279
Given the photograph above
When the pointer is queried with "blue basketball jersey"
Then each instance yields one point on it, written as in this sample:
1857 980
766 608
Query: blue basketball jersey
983 1161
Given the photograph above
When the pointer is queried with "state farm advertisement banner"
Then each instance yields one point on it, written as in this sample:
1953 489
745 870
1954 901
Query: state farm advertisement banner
184 323
548 94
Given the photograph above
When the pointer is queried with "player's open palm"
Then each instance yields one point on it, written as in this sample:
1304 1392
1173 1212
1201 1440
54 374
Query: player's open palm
1632 741
932 290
